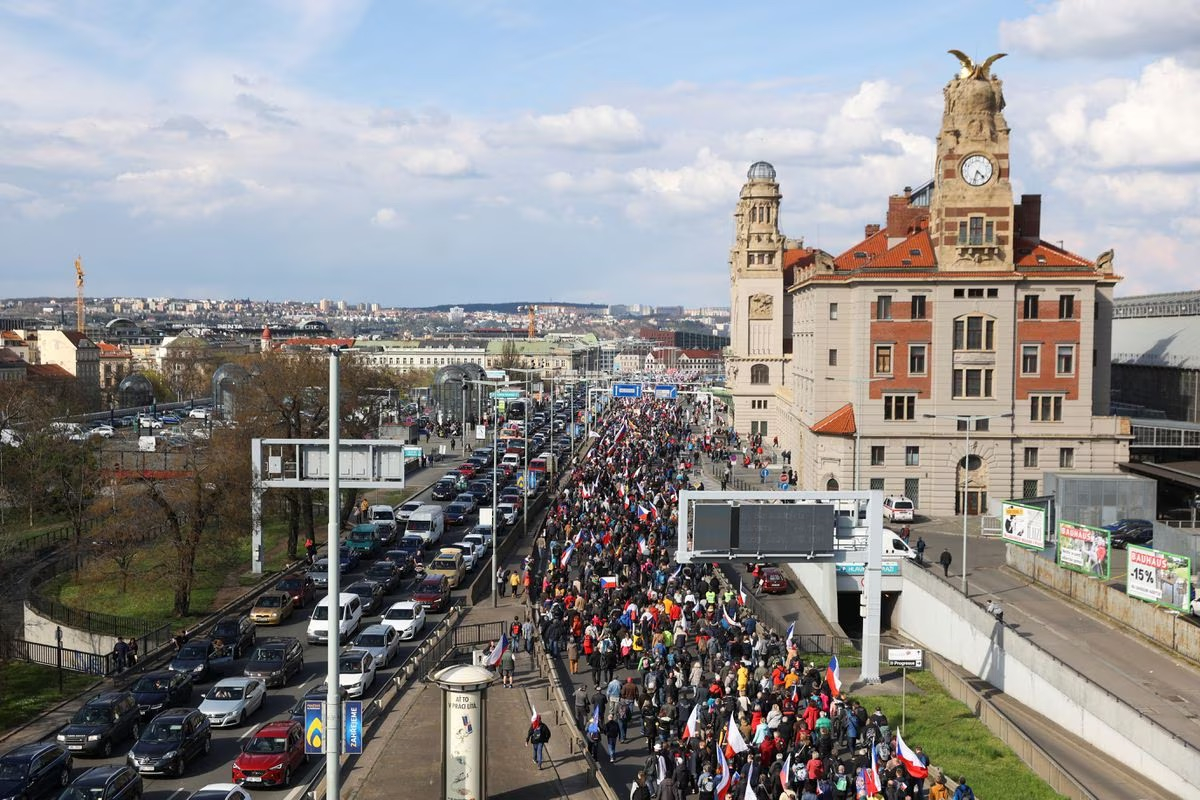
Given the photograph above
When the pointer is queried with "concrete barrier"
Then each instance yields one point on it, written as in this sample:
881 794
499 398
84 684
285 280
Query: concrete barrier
934 614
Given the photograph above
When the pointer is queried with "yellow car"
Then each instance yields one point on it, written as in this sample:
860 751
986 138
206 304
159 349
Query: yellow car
272 608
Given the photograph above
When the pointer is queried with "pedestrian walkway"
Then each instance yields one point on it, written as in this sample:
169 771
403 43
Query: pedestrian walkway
407 752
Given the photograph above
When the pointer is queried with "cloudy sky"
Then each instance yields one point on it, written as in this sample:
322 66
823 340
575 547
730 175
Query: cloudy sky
416 152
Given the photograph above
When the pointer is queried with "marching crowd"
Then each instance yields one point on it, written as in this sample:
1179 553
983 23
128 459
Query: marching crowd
708 699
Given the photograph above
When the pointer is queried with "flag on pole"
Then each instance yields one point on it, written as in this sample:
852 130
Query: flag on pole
643 548
749 795
912 763
873 784
734 739
567 553
785 773
675 574
790 634
833 676
741 595
729 621
723 785
693 724
493 659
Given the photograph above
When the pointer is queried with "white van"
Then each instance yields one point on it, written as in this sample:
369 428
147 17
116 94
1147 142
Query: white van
428 522
350 615
898 508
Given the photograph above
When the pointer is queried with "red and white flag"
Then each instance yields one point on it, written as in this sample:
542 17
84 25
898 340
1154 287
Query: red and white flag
912 762
871 780
833 676
693 724
733 737
785 773
723 785
741 595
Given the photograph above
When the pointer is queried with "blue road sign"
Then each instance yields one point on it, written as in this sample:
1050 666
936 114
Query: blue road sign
627 390
353 739
314 727
666 391
506 394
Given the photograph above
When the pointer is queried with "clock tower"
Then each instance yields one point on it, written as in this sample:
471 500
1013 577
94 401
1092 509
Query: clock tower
971 213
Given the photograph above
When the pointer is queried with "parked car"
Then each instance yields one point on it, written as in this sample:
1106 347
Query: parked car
146 421
272 755
407 617
155 691
275 660
171 741
34 770
231 700
201 659
237 632
104 721
272 608
109 782
200 413
381 641
898 508
1125 532
370 594
433 592
301 587
356 671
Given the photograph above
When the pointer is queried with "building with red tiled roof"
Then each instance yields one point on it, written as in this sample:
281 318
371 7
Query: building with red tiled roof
954 315
79 356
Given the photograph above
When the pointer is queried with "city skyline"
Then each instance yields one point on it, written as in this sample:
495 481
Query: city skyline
422 154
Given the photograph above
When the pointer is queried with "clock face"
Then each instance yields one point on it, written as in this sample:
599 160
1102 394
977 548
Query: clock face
976 170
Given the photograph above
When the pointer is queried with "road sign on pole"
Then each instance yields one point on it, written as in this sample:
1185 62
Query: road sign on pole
627 390
666 391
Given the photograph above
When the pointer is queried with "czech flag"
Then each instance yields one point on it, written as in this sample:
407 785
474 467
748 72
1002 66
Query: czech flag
871 776
693 724
734 739
729 621
785 773
567 553
833 676
741 595
643 548
493 659
790 634
723 785
912 763
608 582
644 513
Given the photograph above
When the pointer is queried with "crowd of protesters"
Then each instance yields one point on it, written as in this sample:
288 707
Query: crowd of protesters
687 681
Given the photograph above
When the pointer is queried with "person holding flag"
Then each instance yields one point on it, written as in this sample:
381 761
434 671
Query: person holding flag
914 765
833 677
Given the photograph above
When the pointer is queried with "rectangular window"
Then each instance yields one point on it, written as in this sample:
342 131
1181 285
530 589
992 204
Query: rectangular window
1029 488
993 293
975 236
883 359
1045 407
916 359
1066 457
833 311
973 382
1030 304
975 292
1066 306
912 456
962 232
899 406
974 333
1064 364
983 424
883 307
833 356
989 232
961 424
1031 457
1029 359
876 455
912 490
877 484
918 306
959 293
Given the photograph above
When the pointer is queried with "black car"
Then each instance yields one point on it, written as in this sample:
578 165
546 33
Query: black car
34 770
238 632
404 560
457 513
1125 532
201 659
110 782
105 720
275 660
387 573
444 490
155 691
410 543
370 593
174 738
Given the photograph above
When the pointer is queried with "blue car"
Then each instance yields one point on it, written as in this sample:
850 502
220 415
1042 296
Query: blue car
347 558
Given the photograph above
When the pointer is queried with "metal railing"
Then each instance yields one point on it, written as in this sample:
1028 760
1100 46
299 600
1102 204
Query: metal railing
62 657
42 542
477 633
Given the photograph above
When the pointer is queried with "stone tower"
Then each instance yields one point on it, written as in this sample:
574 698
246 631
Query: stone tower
755 364
971 215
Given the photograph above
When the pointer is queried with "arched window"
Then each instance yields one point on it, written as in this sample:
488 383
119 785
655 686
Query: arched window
831 485
760 373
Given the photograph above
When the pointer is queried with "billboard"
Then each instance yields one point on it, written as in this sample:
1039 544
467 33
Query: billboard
750 528
1085 549
1023 525
1159 577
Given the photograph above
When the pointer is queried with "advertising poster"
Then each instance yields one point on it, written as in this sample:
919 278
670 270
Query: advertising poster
1159 577
1023 525
353 715
463 747
1085 549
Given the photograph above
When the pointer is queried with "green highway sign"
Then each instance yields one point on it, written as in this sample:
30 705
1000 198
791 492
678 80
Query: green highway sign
506 394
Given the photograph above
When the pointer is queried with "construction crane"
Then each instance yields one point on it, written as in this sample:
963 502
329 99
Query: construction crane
532 320
79 294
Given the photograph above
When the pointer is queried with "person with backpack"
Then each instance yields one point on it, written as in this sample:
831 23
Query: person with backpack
538 735
963 792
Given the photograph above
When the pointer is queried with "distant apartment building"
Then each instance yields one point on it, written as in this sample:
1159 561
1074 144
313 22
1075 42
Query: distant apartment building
408 355
78 356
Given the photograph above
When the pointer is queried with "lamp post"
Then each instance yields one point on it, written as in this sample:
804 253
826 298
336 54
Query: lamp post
462 422
529 373
968 420
495 526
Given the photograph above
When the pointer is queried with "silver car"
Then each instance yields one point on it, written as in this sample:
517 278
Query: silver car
381 641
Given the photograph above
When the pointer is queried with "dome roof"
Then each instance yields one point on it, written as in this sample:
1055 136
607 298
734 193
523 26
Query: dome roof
761 170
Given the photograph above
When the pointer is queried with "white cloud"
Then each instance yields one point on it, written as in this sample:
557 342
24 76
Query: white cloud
386 218
1103 29
1154 125
708 183
590 128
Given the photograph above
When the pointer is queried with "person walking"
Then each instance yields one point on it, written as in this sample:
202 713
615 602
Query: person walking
537 736
508 663
920 550
501 580
944 559
132 656
963 792
514 583
120 654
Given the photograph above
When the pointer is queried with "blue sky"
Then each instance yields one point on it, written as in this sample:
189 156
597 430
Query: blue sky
414 152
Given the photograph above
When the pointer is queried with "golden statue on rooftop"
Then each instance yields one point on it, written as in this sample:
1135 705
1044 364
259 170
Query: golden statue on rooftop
971 70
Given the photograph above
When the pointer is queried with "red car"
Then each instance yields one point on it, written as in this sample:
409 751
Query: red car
272 755
772 581
433 592
467 470
301 587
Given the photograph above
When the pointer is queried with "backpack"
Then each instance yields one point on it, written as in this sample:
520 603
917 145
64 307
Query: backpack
545 733
515 630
